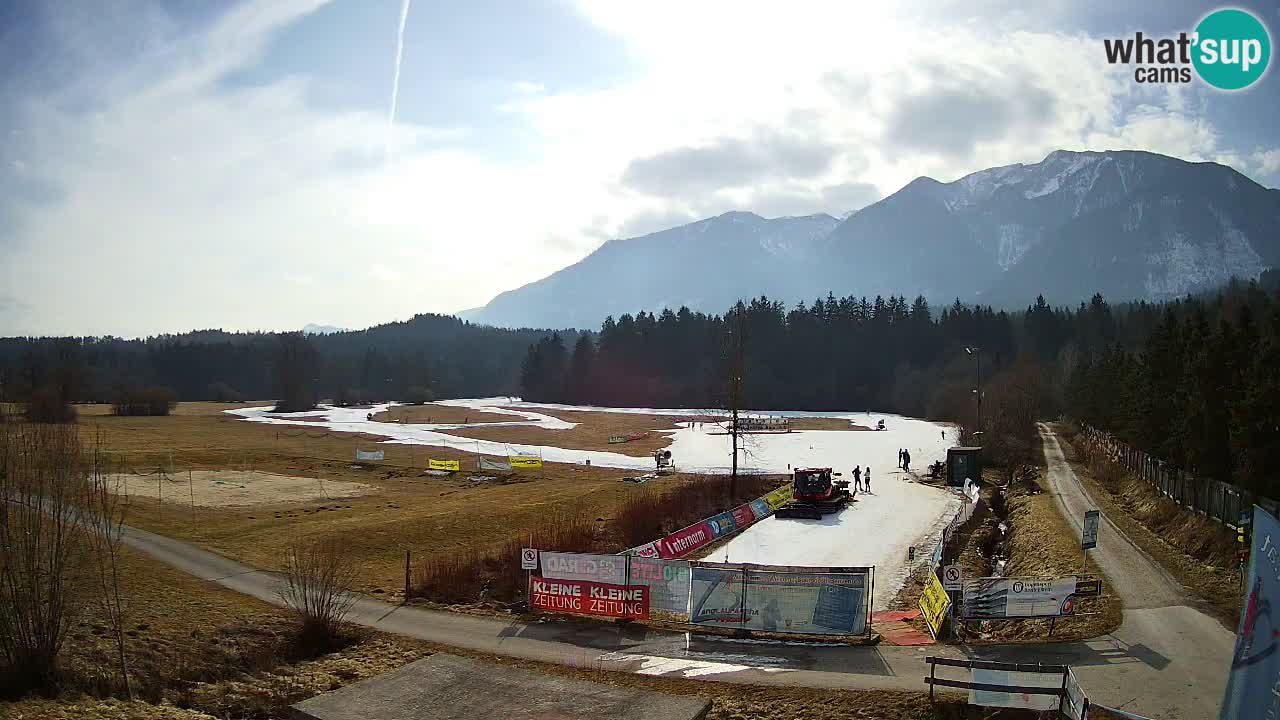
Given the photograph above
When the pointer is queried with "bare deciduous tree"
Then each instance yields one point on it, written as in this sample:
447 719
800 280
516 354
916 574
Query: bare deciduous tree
106 507
318 580
42 547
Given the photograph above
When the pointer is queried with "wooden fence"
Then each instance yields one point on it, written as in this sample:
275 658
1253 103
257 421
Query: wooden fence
1214 499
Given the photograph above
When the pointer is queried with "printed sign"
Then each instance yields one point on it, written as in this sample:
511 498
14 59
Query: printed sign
609 569
1255 665
742 516
1089 539
453 465
1088 587
525 461
721 524
952 578
760 509
589 598
682 542
1000 598
808 603
528 559
616 439
778 497
934 603
647 550
1026 701
486 464
361 455
667 580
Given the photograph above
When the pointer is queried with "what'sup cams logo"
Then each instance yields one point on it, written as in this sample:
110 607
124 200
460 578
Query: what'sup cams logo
1229 49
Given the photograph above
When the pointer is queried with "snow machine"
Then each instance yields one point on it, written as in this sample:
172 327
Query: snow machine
814 493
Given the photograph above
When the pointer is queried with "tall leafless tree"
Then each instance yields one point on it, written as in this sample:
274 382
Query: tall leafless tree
106 506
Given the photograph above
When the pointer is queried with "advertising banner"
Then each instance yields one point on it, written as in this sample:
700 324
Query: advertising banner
682 542
667 580
1075 705
486 464
617 439
525 461
1002 598
742 516
444 465
589 598
760 509
788 602
1255 665
721 524
375 455
1025 701
1089 538
647 550
934 603
778 497
608 569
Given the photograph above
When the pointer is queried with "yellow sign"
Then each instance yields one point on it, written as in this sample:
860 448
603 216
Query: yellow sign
525 461
934 603
444 465
779 497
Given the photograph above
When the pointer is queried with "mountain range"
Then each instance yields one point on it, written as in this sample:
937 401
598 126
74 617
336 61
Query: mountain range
1130 225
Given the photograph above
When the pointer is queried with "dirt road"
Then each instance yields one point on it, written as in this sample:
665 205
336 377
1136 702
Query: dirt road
1167 660
1190 650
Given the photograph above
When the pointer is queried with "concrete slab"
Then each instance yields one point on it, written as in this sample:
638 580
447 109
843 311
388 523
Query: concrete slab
446 686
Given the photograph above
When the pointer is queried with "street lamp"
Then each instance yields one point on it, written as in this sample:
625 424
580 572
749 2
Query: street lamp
976 352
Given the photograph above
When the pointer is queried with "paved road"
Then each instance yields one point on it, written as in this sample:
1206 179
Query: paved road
1190 651
1167 660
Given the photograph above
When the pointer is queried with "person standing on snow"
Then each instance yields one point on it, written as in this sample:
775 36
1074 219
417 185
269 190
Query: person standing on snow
867 483
906 460
899 457
857 477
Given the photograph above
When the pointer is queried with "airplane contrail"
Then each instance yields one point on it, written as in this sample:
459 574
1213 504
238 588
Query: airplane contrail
395 81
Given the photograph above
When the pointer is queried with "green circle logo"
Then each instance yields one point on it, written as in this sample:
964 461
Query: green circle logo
1232 49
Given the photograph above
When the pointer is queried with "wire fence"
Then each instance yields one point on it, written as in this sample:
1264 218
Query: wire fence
1223 502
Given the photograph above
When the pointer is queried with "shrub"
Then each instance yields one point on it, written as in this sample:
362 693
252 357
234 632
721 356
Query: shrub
318 580
419 395
46 405
136 401
222 392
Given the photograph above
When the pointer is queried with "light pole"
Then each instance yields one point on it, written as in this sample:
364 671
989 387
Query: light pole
976 352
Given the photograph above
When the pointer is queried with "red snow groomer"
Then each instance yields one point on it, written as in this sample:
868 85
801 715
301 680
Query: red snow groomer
814 493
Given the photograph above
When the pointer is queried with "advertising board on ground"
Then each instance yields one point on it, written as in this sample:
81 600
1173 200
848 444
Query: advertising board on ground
609 569
684 541
1012 678
760 509
743 516
721 524
667 580
790 602
778 497
934 602
647 550
1004 598
486 464
1255 665
589 598
444 465
362 455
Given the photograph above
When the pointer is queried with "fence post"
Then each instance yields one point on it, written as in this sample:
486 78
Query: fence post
406 575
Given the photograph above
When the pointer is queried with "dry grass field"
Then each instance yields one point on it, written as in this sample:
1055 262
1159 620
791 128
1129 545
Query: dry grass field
592 432
432 413
404 509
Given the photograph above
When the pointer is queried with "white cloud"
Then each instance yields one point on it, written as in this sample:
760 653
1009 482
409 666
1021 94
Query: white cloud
184 204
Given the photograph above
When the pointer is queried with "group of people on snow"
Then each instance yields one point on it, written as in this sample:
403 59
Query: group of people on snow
861 481
904 459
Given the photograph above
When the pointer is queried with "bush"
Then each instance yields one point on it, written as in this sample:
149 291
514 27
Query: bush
135 401
46 405
318 580
657 510
419 395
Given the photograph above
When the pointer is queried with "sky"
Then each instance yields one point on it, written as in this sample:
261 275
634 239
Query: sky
166 166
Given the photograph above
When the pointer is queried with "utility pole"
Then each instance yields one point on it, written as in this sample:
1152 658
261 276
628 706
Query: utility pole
737 363
976 352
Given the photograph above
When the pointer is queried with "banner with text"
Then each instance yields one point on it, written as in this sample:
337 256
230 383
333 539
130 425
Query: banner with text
1255 665
607 569
444 465
779 497
1014 598
722 524
525 461
362 455
667 580
934 602
487 464
589 598
686 540
811 603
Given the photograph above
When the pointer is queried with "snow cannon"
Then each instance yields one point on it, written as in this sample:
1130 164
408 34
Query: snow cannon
815 492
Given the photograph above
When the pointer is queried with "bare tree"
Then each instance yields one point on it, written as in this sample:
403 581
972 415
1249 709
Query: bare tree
42 547
318 581
106 507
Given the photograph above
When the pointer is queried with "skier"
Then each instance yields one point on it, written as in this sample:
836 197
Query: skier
906 460
857 477
867 483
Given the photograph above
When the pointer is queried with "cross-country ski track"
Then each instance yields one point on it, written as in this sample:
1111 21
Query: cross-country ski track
1167 659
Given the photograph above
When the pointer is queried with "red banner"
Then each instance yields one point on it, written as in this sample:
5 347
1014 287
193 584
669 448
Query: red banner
683 542
588 598
742 516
